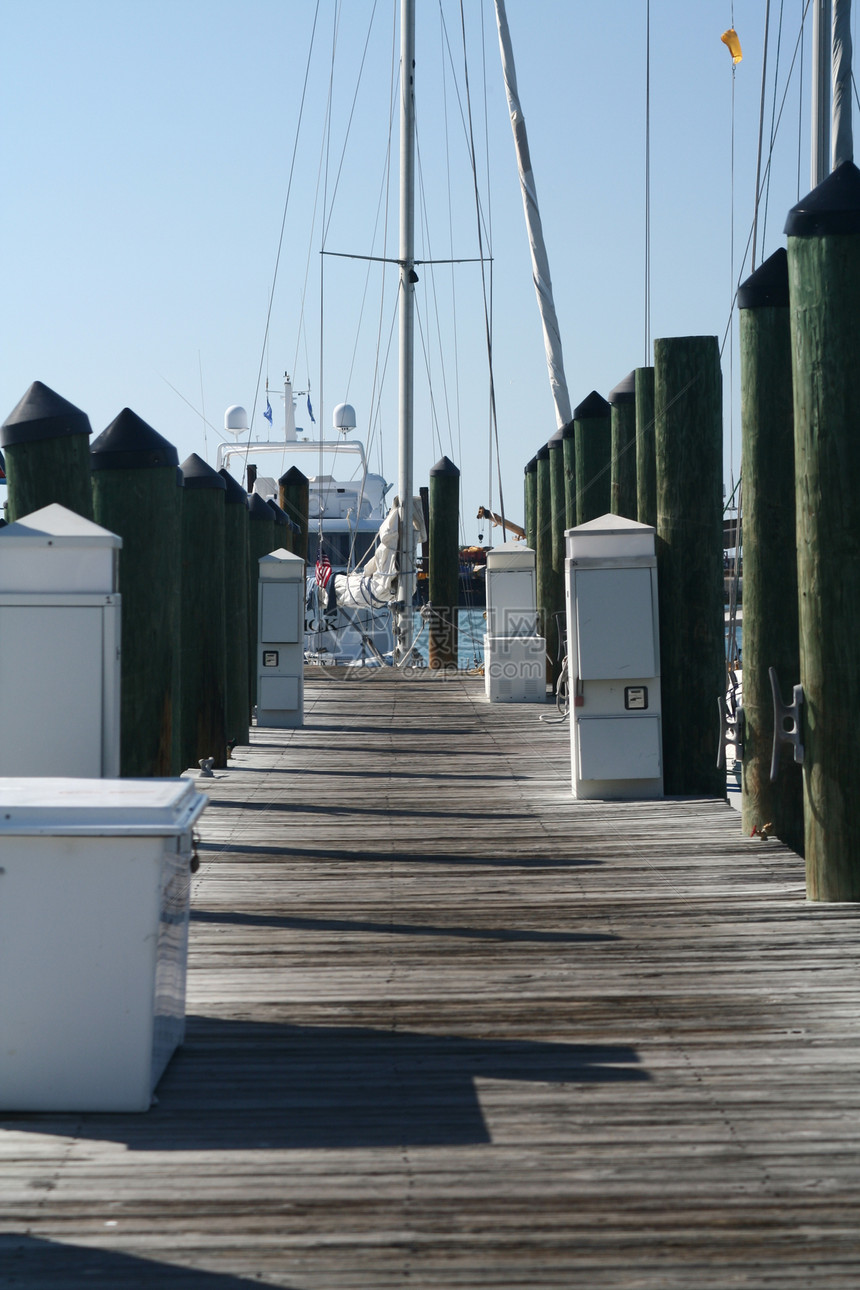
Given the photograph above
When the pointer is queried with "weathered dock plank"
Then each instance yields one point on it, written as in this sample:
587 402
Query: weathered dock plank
449 1027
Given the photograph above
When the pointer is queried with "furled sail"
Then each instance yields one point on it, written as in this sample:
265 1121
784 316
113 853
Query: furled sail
372 586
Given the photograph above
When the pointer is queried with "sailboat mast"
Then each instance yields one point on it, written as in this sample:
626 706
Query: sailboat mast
534 227
843 135
821 75
406 542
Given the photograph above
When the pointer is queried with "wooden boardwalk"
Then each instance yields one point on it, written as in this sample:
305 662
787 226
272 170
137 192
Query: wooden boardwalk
448 1027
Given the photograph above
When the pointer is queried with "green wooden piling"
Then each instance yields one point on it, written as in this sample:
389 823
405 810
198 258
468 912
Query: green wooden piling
293 493
568 435
593 465
824 283
261 541
557 506
236 609
444 580
530 501
770 623
202 712
46 444
646 452
622 488
135 495
689 452
282 524
545 578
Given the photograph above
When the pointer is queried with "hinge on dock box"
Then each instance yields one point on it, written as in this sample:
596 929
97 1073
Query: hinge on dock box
786 722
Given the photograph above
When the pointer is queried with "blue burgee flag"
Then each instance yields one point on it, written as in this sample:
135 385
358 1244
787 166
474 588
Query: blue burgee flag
268 413
311 411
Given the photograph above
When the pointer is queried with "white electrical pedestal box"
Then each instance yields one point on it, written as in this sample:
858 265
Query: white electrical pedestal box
280 640
613 659
94 904
60 655
514 652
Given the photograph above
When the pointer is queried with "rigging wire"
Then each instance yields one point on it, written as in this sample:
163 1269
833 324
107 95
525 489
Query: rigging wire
772 120
797 49
487 318
281 237
732 279
760 133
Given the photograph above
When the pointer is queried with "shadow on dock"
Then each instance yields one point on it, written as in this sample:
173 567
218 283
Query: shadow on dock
265 1086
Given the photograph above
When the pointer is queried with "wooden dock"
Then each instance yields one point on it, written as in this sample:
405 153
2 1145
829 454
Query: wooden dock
450 1028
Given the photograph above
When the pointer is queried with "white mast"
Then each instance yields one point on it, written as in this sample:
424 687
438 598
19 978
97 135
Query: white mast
843 141
408 278
540 260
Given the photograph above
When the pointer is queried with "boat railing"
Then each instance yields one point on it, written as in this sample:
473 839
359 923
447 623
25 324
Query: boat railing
226 451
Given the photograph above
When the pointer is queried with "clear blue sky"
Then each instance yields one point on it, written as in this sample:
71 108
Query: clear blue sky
146 152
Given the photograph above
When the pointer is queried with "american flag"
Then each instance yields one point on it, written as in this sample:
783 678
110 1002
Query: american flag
323 571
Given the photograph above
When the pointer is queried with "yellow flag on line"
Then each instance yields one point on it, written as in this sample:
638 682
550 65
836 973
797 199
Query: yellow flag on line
730 40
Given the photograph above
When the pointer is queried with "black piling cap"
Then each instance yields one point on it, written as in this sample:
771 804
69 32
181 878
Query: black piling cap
555 441
293 477
129 443
281 517
259 510
768 285
236 495
197 474
444 467
594 406
530 467
568 430
42 414
624 391
832 207
543 453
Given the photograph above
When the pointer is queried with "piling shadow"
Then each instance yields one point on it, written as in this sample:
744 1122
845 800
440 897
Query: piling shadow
326 809
290 923
512 860
238 1085
27 1261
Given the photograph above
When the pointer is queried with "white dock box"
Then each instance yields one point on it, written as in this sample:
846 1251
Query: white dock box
514 652
614 659
280 640
60 656
511 591
94 906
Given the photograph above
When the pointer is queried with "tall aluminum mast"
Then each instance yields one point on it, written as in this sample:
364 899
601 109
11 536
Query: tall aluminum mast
843 136
534 227
821 75
408 278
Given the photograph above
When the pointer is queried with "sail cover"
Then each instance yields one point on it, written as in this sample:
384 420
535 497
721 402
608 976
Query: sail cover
540 261
372 586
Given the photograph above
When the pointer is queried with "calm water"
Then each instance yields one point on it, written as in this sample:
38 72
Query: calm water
471 626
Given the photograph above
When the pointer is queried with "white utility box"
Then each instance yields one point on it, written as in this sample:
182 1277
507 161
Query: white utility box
280 640
60 655
514 652
515 669
511 591
613 659
94 905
